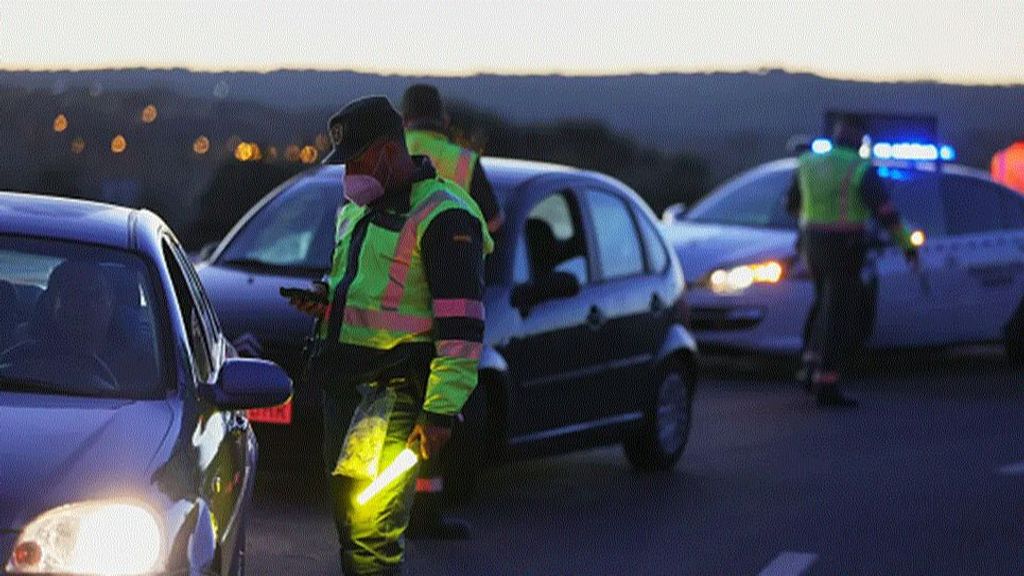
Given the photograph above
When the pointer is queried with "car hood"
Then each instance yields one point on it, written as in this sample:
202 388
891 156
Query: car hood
57 450
703 247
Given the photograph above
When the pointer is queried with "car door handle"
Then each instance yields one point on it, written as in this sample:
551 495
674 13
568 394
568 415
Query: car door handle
596 319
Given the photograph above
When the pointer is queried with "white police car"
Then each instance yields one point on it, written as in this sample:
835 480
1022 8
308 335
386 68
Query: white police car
749 291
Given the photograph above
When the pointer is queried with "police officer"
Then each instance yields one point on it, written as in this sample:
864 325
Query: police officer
426 132
403 322
834 195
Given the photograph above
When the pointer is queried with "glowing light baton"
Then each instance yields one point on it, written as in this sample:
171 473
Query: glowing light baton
405 460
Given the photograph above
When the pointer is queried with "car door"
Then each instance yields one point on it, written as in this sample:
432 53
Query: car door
221 437
917 307
628 308
984 219
553 359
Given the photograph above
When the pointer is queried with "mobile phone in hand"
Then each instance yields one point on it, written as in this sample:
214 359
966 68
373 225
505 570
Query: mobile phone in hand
303 294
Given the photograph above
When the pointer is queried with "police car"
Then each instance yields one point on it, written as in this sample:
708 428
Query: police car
749 291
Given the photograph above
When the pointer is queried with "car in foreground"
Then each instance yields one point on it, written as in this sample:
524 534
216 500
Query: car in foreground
125 444
585 340
749 291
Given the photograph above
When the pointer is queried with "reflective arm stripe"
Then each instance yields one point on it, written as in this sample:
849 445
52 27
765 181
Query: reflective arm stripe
403 254
387 320
458 308
459 349
462 168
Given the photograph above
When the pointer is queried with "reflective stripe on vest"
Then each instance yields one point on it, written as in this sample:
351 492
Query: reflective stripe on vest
380 296
449 159
403 254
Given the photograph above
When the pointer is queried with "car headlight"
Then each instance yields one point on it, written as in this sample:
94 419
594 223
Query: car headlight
739 278
115 538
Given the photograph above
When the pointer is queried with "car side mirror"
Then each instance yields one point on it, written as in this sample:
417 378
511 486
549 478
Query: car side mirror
553 286
245 383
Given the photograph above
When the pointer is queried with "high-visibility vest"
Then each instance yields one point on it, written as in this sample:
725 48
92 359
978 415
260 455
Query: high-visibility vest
1008 167
379 294
830 190
450 160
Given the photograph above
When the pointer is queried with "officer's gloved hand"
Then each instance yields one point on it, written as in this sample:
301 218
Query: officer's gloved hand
431 438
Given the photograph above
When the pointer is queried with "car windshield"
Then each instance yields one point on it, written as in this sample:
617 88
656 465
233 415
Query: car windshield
755 199
292 235
77 320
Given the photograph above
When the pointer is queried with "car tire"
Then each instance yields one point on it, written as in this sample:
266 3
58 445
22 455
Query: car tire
665 430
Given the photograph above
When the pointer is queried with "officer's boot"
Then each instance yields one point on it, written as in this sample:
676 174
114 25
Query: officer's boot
828 394
809 364
427 521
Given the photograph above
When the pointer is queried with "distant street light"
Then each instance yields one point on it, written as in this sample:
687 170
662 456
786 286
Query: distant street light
77 145
201 145
60 123
149 114
308 155
118 144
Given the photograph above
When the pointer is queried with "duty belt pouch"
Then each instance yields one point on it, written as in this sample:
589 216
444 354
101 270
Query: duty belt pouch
367 432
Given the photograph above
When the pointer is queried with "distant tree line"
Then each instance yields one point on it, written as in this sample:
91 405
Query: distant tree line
179 158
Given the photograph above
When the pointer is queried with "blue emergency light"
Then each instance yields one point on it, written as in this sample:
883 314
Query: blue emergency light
898 151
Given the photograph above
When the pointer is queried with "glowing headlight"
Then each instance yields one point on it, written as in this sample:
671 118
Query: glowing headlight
115 538
740 278
917 238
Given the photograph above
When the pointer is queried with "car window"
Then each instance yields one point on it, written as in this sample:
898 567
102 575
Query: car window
972 205
757 200
79 320
654 247
211 326
619 253
293 231
918 200
193 322
553 238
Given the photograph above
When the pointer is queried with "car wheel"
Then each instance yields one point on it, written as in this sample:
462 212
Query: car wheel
662 437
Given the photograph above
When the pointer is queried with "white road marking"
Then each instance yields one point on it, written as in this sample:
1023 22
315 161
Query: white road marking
1012 469
789 564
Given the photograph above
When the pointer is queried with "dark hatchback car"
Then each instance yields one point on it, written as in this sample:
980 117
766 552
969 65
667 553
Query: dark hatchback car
585 341
124 445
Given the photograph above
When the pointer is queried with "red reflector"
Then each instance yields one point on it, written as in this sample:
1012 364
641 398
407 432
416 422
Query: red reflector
274 415
27 554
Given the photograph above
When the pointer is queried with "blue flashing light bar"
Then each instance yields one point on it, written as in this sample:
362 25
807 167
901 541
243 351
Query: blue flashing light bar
821 146
901 151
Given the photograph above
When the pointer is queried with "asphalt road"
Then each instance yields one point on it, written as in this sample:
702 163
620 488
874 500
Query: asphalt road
926 477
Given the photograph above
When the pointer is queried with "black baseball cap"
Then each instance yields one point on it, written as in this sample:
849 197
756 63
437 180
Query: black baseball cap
361 123
422 102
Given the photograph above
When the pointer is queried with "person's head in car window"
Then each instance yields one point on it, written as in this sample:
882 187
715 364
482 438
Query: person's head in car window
82 306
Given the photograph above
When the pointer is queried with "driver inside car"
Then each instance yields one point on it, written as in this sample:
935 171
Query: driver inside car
70 338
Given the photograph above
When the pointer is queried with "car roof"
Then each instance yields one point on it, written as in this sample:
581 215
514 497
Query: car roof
76 220
508 173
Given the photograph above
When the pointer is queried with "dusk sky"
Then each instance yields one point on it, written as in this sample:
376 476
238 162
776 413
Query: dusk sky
964 42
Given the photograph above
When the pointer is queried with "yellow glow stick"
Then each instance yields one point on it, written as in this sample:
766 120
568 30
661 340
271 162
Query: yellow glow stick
405 460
